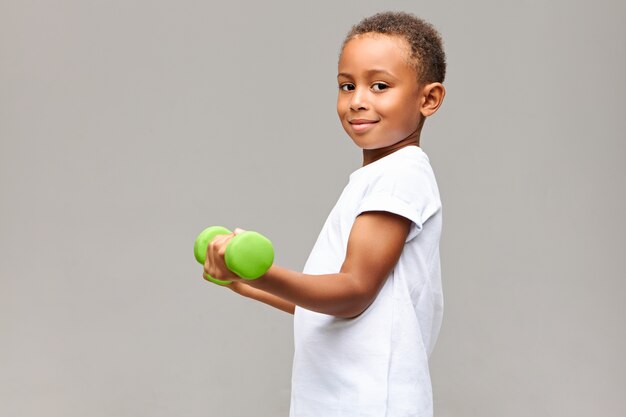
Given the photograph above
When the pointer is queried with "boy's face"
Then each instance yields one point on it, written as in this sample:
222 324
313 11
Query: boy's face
379 96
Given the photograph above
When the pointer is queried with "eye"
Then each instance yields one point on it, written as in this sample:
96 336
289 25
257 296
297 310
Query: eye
379 86
346 87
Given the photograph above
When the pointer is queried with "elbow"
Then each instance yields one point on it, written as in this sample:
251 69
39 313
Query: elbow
352 313
349 316
356 306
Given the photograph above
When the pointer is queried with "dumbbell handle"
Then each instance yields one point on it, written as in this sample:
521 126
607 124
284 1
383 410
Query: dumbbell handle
248 254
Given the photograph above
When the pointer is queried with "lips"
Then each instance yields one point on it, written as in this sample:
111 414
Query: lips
361 125
361 121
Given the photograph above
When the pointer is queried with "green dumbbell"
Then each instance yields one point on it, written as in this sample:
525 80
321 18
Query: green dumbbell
249 254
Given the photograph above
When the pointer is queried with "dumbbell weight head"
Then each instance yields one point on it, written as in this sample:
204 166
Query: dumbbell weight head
203 240
249 255
202 243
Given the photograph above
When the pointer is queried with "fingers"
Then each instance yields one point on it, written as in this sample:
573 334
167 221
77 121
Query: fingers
215 264
208 263
210 266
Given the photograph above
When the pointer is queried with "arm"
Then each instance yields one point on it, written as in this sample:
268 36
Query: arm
374 247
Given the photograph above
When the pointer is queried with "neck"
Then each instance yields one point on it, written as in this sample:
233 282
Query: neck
372 155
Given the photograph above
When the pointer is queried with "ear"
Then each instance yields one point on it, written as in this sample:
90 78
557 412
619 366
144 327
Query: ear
432 97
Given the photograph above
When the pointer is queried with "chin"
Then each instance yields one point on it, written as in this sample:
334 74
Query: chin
369 145
366 146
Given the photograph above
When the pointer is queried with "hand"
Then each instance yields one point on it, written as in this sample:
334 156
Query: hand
215 264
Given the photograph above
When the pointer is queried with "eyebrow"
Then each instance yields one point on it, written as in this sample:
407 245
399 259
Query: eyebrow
368 72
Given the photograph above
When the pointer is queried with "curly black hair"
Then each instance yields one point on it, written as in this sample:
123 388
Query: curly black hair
427 54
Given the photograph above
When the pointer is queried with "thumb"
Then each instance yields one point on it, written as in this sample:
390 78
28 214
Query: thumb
239 231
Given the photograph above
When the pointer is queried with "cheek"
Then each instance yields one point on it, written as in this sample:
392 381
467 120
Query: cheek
402 110
389 105
341 106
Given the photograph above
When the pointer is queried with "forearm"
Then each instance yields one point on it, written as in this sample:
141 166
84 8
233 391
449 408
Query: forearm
332 294
269 299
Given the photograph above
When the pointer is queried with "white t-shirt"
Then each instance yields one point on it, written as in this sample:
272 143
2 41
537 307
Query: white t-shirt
377 363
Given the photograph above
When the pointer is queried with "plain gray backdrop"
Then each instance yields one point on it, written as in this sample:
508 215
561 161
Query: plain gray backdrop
126 127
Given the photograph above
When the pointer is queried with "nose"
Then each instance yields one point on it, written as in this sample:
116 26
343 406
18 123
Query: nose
358 100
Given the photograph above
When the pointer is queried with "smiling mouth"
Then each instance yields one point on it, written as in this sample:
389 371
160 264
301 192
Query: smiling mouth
360 125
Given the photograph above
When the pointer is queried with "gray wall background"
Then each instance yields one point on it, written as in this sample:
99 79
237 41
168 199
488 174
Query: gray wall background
128 126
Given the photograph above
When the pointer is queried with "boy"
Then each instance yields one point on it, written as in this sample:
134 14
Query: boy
368 306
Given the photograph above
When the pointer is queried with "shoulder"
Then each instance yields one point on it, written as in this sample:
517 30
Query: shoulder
404 185
410 161
405 170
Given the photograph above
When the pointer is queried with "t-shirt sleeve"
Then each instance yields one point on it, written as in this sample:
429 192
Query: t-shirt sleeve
407 192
